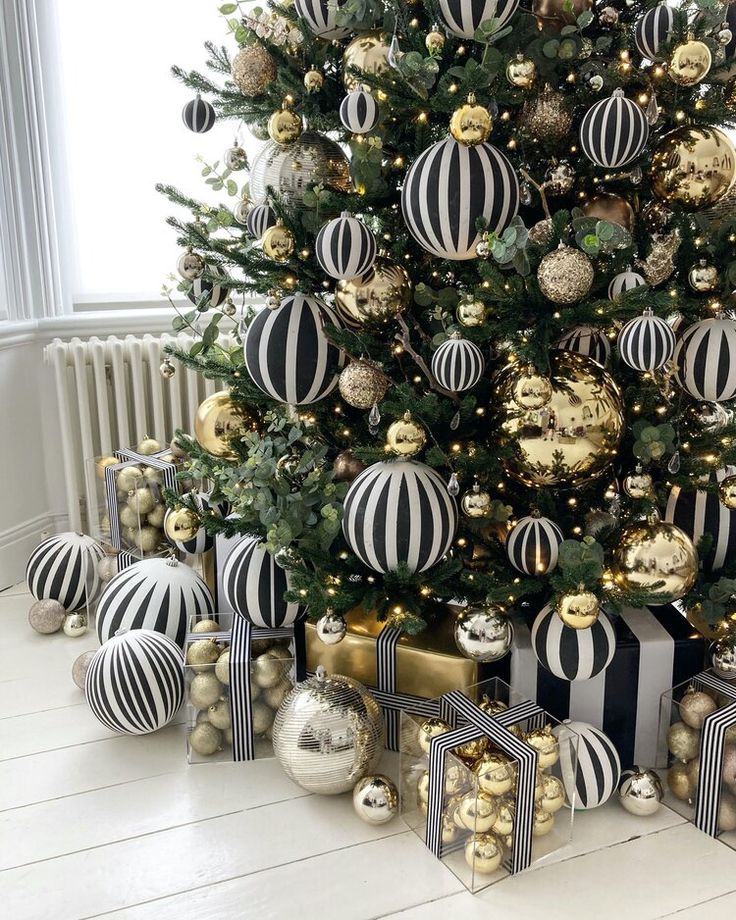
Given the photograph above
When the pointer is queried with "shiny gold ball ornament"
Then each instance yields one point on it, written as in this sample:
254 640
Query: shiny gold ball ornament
532 390
367 53
565 275
495 772
693 167
476 502
253 69
75 625
612 208
690 63
727 492
219 422
703 277
521 72
278 242
377 297
545 744
472 750
181 525
376 799
313 80
695 706
655 552
476 812
544 821
471 124
362 384
546 116
559 12
639 484
484 853
471 313
434 41
483 632
574 437
284 126
680 782
579 610
553 793
405 437
428 729
191 265
683 741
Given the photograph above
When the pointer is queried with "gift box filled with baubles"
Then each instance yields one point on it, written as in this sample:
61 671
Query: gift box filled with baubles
485 783
236 678
697 748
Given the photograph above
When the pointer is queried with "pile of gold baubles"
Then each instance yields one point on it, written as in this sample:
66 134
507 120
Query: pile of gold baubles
376 297
487 818
219 423
693 167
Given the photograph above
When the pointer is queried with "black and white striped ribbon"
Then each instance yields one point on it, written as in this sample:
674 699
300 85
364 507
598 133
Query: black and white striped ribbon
712 743
125 559
386 680
156 461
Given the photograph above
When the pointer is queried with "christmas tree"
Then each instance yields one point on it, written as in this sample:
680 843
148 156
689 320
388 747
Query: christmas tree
497 360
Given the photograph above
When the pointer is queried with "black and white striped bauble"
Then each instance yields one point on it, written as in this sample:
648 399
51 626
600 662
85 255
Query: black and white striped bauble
646 342
345 248
215 294
198 115
287 353
533 545
586 341
135 682
399 511
320 17
202 541
462 17
458 364
572 654
625 282
705 360
254 586
63 568
449 187
598 766
654 29
700 513
614 131
730 19
159 594
359 111
260 218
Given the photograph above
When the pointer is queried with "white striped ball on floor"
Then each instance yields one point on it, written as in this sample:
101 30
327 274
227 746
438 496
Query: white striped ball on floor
614 131
598 766
198 115
212 293
254 586
586 341
260 218
458 364
646 342
359 111
533 545
705 359
320 17
700 513
462 17
345 248
653 29
135 682
624 282
572 654
63 568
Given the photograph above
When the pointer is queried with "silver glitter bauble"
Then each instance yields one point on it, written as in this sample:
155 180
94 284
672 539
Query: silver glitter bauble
723 658
331 628
75 625
79 668
483 633
107 567
640 792
328 733
376 799
46 616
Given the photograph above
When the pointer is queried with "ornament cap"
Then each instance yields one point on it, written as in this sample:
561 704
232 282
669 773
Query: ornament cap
618 93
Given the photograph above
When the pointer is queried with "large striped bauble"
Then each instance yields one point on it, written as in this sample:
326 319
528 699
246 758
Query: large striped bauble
462 17
458 364
533 545
449 187
646 342
287 354
699 513
210 293
705 359
614 131
260 218
63 568
254 586
586 341
359 111
345 248
320 17
572 654
135 682
624 282
202 541
653 29
198 115
399 511
158 594
591 777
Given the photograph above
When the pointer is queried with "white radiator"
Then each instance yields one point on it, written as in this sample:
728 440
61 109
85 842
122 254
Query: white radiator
111 394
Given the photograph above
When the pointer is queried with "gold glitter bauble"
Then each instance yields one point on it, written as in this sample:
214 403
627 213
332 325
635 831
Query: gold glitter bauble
362 384
565 275
218 422
703 277
690 63
434 41
559 12
376 297
181 524
542 233
405 437
727 492
580 610
471 313
654 551
680 782
683 741
612 208
253 69
471 124
695 706
368 52
484 853
476 502
521 72
729 94
547 115
660 263
693 167
313 80
278 243
284 126
575 436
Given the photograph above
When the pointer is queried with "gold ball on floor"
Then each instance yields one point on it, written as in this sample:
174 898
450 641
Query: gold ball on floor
205 626
376 799
544 821
267 670
75 625
46 616
81 666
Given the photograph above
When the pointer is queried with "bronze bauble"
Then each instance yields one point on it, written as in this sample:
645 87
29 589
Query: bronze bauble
218 422
376 297
362 384
405 437
284 126
693 167
471 124
559 12
253 69
546 116
521 72
368 52
612 208
347 467
580 610
278 243
652 552
690 63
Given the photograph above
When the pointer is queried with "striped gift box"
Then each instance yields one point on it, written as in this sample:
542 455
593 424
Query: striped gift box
131 458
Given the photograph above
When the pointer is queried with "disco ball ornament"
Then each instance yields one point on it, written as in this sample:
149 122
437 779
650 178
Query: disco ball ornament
328 734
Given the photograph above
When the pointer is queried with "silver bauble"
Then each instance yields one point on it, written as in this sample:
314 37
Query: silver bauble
376 799
723 658
331 628
46 616
483 633
640 792
107 567
328 733
75 625
79 668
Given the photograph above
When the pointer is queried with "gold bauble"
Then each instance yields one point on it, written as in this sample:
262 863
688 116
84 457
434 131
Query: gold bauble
362 384
484 853
428 729
405 437
456 778
313 80
504 823
655 551
580 610
544 821
202 654
546 116
693 167
639 485
253 69
471 313
542 233
565 275
690 63
532 390
703 277
575 436
376 297
434 41
102 464
613 208
476 812
680 782
545 744
683 741
476 502
657 217
368 52
346 467
278 243
521 72
559 12
471 124
284 126
727 492
553 794
495 772
181 525
219 422
472 750
695 705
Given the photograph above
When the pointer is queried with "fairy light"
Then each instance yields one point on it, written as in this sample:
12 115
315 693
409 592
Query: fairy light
398 162
422 118
577 530
680 115
453 88
572 502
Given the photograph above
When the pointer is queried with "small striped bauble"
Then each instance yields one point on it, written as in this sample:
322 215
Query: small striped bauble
646 342
399 511
586 341
533 545
345 248
625 282
211 293
699 513
705 359
287 353
462 17
135 682
572 654
457 364
63 568
449 187
359 111
654 29
254 586
260 218
198 115
598 767
159 594
202 541
320 17
614 131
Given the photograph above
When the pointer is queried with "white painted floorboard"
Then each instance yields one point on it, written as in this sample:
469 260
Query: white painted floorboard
95 825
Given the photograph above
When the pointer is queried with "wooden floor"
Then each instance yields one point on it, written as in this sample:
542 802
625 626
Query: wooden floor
95 825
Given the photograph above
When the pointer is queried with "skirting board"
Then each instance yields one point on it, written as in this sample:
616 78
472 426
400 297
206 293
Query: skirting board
17 542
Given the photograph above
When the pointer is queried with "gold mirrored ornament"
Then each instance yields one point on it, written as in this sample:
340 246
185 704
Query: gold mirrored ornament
703 277
495 772
504 823
376 297
471 124
405 437
639 484
655 552
565 275
181 525
368 53
278 242
484 853
693 167
471 313
578 610
613 208
476 502
218 422
428 729
544 821
253 69
191 265
313 80
284 126
376 799
553 794
546 116
476 812
362 384
690 63
521 72
727 492
472 750
545 744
